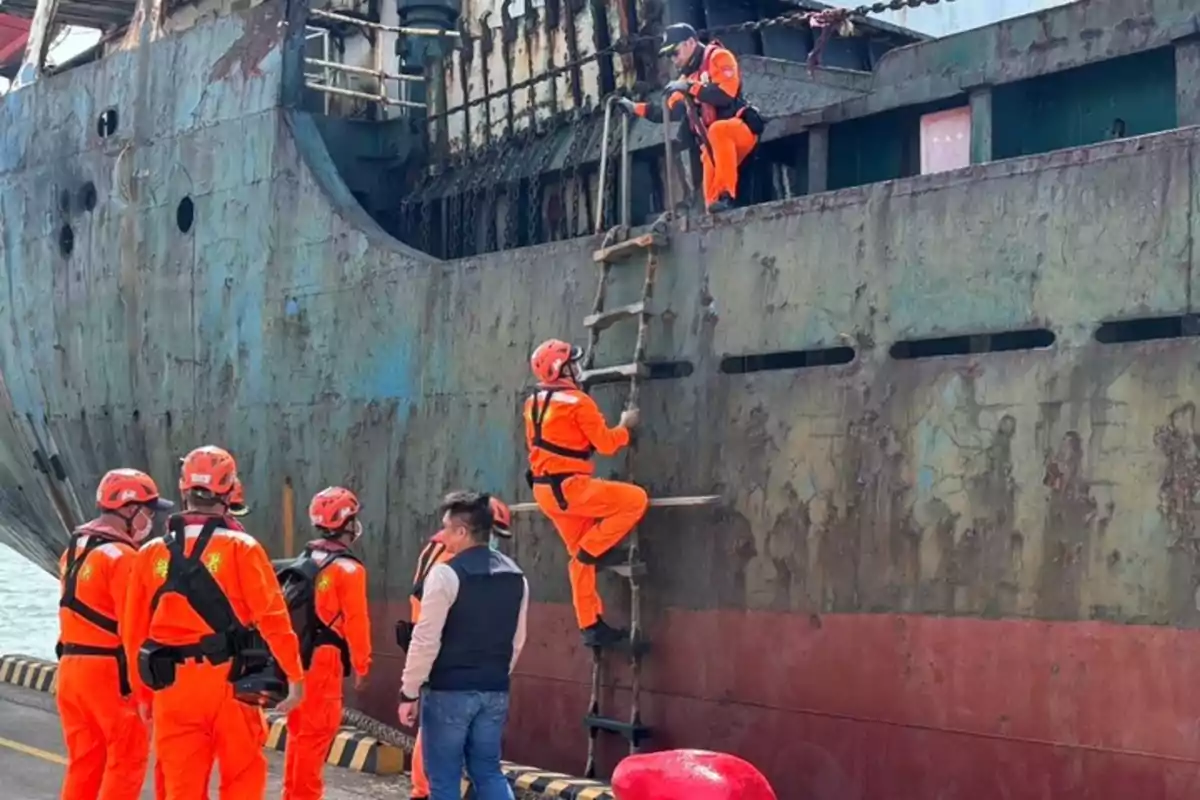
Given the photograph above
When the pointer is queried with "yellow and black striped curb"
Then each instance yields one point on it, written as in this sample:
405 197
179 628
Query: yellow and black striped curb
32 673
531 781
351 749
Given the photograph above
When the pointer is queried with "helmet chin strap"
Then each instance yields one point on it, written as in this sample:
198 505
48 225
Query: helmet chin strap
129 534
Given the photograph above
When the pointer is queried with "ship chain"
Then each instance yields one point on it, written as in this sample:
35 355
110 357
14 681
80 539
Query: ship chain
537 207
570 172
610 170
455 243
470 235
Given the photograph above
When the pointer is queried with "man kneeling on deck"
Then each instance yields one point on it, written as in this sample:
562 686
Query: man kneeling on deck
725 126
563 429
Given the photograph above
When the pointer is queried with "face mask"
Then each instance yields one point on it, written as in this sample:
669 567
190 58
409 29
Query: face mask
493 543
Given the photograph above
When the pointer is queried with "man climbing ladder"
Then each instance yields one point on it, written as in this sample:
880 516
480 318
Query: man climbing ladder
563 429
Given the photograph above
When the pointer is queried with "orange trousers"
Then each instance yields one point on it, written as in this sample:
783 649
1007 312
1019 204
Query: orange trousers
312 726
729 142
108 746
598 516
160 783
197 721
420 781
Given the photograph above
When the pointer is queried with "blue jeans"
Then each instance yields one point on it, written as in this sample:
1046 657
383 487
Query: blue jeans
464 726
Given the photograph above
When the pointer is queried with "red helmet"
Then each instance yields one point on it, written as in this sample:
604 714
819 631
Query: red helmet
121 487
501 518
550 358
332 507
209 468
237 499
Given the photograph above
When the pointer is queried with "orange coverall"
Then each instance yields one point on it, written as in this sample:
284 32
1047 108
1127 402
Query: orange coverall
197 719
593 515
434 553
725 139
341 599
107 743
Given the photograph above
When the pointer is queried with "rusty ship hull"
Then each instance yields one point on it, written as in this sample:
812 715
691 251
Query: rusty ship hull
950 416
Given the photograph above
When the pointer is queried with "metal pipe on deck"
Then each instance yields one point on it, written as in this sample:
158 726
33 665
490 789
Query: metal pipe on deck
379 26
362 95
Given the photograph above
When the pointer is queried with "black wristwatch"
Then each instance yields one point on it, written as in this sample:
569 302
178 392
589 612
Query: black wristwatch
406 699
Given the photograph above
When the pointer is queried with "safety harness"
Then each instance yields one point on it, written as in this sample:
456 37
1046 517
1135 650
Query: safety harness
708 113
553 480
426 562
188 577
70 600
308 571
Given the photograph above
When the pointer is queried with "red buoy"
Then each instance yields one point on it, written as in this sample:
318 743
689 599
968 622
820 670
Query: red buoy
688 775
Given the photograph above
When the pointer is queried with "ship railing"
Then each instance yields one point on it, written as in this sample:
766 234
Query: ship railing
382 77
625 200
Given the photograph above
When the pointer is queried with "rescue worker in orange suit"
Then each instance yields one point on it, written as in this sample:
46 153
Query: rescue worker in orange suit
725 126
238 508
107 742
563 429
197 716
435 553
343 642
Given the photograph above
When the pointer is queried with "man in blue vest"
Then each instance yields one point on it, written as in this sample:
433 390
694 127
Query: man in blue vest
469 636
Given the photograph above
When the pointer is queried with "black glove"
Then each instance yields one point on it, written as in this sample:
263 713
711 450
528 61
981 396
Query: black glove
680 85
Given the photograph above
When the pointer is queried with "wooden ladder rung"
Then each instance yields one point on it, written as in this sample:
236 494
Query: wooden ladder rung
627 570
655 502
633 369
623 250
605 319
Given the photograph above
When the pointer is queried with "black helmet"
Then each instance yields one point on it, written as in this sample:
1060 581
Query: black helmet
675 35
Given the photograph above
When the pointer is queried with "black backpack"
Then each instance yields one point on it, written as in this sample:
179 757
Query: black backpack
298 580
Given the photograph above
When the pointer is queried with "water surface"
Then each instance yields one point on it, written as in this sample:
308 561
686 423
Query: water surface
28 607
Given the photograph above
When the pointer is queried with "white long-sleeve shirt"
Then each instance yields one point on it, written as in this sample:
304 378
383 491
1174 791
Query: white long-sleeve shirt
439 593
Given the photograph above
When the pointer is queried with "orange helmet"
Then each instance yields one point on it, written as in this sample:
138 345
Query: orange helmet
237 499
501 518
550 357
209 468
121 487
331 507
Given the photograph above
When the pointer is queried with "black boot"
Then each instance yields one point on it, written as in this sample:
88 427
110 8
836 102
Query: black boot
722 203
601 634
613 557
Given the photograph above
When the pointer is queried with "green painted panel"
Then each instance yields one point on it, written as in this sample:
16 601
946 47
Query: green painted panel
1128 96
